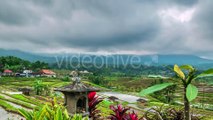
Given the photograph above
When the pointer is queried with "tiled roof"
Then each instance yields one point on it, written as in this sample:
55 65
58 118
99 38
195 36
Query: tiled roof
49 72
77 87
8 71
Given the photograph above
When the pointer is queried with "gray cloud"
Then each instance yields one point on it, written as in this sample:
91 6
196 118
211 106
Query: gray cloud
13 13
144 26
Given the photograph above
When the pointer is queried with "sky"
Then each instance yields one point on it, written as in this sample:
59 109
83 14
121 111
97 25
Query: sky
108 26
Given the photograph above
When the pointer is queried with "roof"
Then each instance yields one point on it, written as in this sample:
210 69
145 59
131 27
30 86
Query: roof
48 72
77 87
8 71
74 73
142 100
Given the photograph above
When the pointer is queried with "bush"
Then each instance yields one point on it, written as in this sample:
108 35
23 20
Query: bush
66 79
97 79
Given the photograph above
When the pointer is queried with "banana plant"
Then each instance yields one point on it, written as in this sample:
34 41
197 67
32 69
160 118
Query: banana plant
187 74
53 111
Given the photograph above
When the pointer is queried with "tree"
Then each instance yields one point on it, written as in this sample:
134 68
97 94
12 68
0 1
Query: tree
98 79
39 65
186 74
16 64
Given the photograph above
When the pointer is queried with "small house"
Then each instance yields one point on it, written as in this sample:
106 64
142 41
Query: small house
27 73
7 72
47 73
84 72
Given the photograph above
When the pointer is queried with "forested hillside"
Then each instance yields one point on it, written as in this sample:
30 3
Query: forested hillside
18 64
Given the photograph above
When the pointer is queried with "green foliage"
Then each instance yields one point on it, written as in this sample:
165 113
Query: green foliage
54 111
166 113
154 88
38 87
39 65
187 67
98 79
17 64
25 99
179 72
166 95
47 90
191 92
79 117
66 79
27 105
7 106
13 63
106 103
206 73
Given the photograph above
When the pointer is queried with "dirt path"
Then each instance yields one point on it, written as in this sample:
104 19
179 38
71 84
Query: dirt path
4 115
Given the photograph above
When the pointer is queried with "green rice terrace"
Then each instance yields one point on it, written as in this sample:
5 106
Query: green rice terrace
20 94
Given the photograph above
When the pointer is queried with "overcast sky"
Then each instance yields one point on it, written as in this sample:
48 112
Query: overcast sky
108 26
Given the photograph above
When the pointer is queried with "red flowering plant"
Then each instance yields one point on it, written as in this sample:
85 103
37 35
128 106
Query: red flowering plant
133 116
120 113
94 100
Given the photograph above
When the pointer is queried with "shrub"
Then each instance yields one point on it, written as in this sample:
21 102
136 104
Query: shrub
38 87
186 75
66 79
120 113
94 100
54 111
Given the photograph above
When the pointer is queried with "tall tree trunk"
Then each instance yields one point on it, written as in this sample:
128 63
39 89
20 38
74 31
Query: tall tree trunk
187 115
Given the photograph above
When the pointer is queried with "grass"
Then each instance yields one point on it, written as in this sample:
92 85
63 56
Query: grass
26 99
26 105
8 107
123 84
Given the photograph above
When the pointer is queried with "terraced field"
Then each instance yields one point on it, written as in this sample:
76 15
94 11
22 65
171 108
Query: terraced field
11 99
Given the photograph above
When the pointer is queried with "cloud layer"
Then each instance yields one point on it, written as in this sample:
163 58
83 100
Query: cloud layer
122 26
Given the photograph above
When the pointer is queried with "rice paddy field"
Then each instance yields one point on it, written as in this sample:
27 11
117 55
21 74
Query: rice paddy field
12 99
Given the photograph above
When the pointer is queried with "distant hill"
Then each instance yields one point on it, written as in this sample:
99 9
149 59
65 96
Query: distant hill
26 56
116 59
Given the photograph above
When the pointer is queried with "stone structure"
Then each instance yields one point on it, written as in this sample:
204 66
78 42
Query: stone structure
25 91
75 97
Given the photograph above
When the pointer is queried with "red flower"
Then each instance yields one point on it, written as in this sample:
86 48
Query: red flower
133 116
91 96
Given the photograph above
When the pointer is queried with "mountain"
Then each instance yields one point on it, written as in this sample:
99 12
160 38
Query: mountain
183 59
114 59
25 55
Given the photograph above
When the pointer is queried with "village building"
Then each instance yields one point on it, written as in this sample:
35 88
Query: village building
27 73
47 73
84 72
7 72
